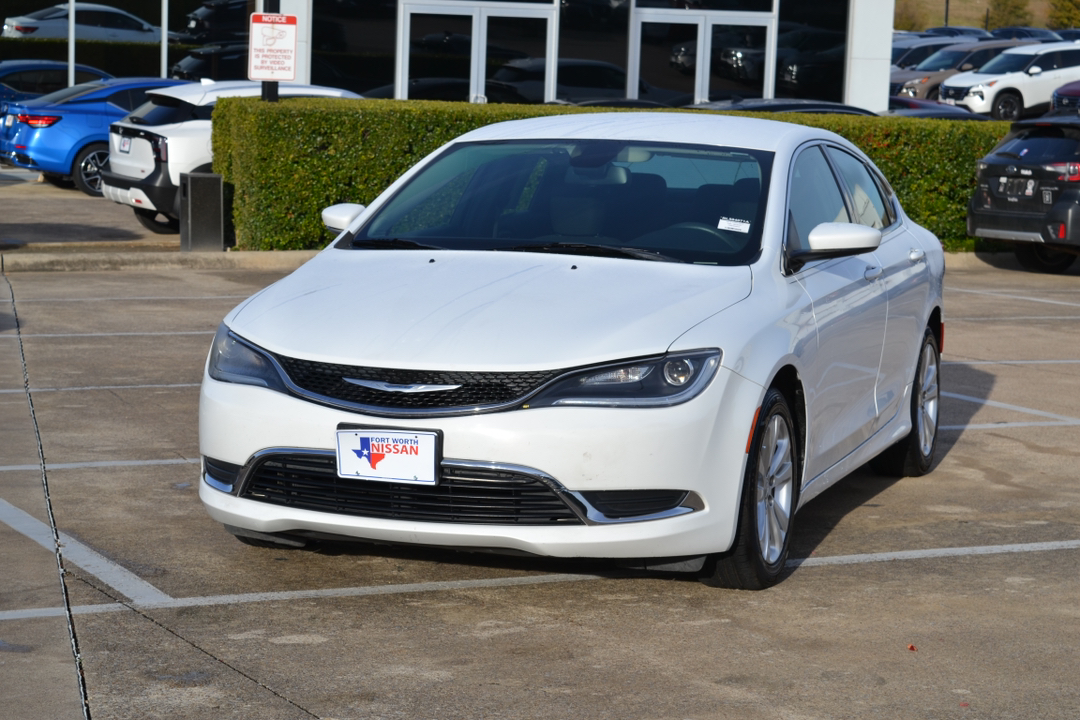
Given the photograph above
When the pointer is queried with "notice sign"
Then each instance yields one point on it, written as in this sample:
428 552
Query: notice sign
272 53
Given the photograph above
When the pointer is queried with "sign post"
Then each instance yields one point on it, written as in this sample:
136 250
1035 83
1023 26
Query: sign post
272 51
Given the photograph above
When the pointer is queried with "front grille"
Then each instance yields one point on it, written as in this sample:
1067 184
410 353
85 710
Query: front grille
477 389
1066 102
634 503
949 92
462 495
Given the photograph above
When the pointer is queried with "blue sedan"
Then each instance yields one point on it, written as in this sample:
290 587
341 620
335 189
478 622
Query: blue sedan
65 134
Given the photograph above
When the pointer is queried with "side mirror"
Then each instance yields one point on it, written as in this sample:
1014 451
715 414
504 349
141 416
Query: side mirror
843 239
1034 70
966 67
340 216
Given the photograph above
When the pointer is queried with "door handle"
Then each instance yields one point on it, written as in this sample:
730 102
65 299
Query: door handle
873 272
916 255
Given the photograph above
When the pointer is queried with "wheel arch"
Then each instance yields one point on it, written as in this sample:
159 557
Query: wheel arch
76 150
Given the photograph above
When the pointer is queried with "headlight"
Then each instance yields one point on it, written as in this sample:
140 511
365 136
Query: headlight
235 360
653 382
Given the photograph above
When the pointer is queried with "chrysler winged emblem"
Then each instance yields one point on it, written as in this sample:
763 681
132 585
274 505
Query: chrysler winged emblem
391 387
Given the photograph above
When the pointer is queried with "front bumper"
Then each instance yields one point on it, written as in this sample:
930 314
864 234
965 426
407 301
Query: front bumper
694 447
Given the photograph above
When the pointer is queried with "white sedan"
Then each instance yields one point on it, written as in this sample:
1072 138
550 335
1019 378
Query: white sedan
92 22
640 336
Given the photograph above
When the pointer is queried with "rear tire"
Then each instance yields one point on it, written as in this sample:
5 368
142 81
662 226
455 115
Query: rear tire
767 509
1040 258
156 222
914 455
86 170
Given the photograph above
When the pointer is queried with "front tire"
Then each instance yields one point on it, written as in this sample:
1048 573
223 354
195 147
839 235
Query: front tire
770 489
914 455
1008 106
86 170
1039 258
156 222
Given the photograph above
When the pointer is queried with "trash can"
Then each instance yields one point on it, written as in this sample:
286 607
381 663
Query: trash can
204 218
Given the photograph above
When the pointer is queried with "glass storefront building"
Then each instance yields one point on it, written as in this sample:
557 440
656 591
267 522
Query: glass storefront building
673 52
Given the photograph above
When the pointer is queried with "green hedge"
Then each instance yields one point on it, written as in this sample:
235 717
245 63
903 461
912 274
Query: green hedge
289 160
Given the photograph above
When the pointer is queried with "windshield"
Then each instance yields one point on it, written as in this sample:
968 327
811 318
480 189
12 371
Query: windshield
654 201
942 60
1006 63
1037 145
70 93
164 110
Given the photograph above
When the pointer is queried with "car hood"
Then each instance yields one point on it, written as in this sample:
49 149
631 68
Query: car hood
902 76
973 77
458 310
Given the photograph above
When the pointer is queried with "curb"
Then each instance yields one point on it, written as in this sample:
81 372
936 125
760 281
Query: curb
277 260
289 260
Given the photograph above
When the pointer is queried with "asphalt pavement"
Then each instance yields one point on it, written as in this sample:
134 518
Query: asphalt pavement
947 596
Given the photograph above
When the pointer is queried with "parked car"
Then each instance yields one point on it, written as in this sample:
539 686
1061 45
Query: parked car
1026 33
783 105
612 336
924 80
1066 99
169 135
904 106
1019 81
28 79
578 80
907 52
961 31
1069 34
1028 193
217 21
230 62
92 22
65 134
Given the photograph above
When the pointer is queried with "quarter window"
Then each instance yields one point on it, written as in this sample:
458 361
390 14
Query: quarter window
869 207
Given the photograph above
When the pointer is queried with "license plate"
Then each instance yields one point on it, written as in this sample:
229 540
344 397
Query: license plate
949 101
388 455
125 144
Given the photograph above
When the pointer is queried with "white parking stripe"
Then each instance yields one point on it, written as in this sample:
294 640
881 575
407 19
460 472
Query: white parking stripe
101 387
115 576
100 464
1015 408
1011 362
930 553
149 298
933 553
115 334
1010 296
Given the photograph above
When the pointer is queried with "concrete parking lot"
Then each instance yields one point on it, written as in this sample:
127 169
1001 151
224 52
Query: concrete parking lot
953 595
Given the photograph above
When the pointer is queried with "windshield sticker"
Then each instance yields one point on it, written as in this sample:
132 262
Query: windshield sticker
726 223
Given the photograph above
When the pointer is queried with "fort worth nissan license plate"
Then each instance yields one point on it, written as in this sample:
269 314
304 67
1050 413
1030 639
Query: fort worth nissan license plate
388 455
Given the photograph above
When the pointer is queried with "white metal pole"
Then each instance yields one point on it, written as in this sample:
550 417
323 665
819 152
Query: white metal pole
164 38
71 43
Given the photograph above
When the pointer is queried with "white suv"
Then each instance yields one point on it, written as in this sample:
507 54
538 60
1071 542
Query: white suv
170 135
1017 82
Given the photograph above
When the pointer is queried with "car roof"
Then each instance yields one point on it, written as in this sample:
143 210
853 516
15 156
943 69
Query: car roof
685 128
995 43
11 65
1040 48
206 92
90 6
1069 120
910 42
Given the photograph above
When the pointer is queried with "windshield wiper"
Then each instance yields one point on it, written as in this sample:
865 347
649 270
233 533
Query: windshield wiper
392 244
593 249
1008 154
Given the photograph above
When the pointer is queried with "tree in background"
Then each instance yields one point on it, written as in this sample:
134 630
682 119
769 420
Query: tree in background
1064 14
909 16
1009 12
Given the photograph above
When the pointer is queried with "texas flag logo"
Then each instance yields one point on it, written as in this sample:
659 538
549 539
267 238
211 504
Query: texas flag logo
365 454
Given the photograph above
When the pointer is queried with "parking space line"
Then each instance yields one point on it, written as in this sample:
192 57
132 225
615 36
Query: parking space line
148 298
100 464
1011 362
1010 296
1014 318
1064 419
101 387
113 334
933 553
115 576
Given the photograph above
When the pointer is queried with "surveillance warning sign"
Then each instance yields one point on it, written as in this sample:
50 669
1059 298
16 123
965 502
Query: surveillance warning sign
272 43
